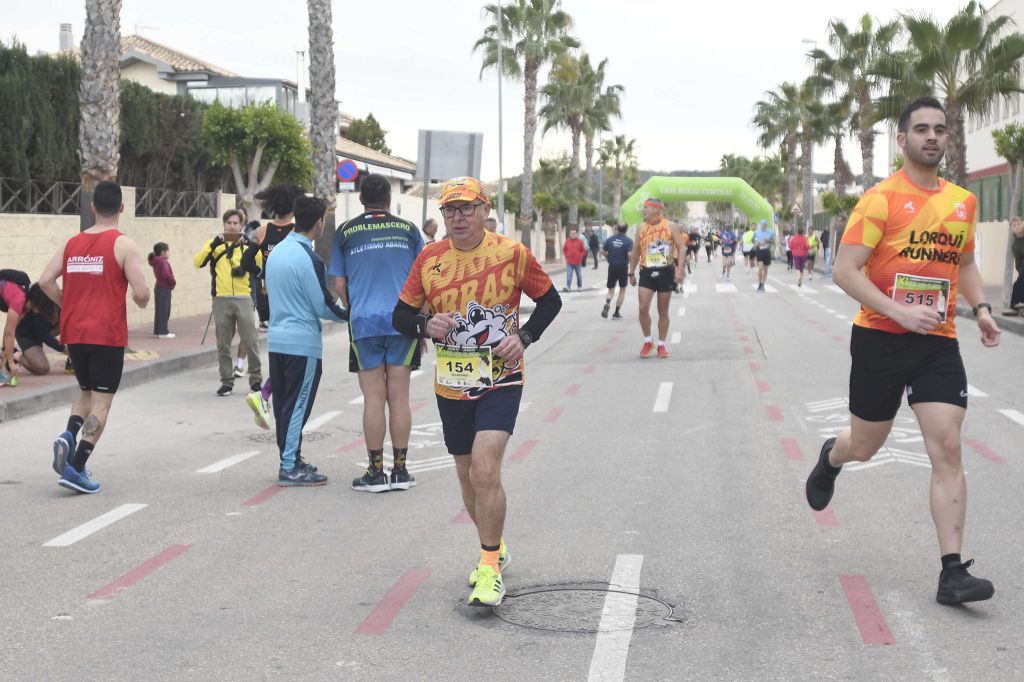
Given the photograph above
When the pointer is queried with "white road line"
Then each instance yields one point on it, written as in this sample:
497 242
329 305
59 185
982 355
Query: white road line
316 422
90 527
691 288
356 401
841 317
664 395
802 290
682 311
617 620
1014 415
830 311
725 288
227 462
677 337
834 288
976 392
770 289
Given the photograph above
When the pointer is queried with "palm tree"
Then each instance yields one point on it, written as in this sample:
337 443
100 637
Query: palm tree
777 117
970 62
323 116
557 193
852 73
99 136
836 121
533 33
565 99
605 106
620 154
812 133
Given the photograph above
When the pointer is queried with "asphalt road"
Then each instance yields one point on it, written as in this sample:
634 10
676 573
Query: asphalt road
682 477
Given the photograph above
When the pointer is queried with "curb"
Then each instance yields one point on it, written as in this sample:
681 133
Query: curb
1014 325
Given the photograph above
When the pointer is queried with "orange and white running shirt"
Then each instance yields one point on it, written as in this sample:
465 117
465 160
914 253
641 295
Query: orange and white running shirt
918 236
657 249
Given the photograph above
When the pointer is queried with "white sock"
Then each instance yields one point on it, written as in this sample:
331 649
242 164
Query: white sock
239 363
661 343
648 339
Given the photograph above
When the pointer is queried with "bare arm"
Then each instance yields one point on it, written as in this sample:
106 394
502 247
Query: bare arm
9 327
634 259
128 255
677 239
970 287
341 286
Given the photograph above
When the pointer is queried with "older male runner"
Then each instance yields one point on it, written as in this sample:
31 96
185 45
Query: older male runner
658 244
472 284
908 244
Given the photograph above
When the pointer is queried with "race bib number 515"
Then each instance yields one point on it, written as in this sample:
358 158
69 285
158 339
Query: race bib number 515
464 367
930 292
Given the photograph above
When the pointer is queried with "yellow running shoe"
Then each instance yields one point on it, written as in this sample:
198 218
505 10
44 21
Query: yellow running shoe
259 407
504 559
489 589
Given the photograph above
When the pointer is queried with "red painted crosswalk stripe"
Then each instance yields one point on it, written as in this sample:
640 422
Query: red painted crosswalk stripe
384 613
524 450
985 451
553 415
261 497
136 574
870 621
792 448
774 413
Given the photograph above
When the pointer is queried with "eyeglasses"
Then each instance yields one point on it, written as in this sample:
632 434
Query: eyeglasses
466 210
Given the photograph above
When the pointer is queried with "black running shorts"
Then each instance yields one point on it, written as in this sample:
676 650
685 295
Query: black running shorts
763 256
618 273
97 368
658 279
885 365
495 410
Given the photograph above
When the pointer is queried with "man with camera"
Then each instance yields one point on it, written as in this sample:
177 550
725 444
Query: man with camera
232 306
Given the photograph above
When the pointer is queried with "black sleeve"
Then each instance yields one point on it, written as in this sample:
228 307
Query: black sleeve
409 321
249 259
547 309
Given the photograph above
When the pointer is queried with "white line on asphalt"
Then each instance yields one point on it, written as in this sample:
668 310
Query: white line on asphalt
677 337
227 462
802 290
841 317
356 401
833 287
317 422
682 311
1014 415
770 289
617 620
830 311
691 288
976 392
726 288
90 527
664 395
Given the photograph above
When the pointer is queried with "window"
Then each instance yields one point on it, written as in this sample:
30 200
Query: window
207 95
257 94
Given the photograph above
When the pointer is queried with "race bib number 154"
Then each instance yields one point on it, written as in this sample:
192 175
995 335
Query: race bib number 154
463 367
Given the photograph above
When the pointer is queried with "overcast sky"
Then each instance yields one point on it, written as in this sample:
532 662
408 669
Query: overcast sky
691 71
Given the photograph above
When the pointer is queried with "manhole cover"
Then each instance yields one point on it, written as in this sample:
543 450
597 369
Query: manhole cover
271 437
577 608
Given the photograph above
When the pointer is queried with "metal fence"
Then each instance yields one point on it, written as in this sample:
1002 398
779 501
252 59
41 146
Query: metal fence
153 203
33 196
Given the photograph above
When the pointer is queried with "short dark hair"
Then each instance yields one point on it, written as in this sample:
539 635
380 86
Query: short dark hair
621 227
43 305
107 198
927 102
308 210
374 190
278 200
233 212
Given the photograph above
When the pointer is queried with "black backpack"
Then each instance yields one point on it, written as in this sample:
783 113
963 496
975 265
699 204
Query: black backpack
15 277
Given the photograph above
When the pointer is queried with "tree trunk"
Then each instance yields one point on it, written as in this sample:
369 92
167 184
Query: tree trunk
1008 267
807 182
956 151
618 193
588 147
99 101
549 221
791 174
866 134
323 117
574 174
525 216
841 172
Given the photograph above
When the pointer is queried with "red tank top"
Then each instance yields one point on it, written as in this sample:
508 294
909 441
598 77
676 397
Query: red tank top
93 305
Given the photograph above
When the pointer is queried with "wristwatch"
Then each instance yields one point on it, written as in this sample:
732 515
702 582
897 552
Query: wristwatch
526 337
978 307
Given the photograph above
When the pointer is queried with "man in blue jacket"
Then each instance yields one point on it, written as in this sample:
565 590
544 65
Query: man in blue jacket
297 287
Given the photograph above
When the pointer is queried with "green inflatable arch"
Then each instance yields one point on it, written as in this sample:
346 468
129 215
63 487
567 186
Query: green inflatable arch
668 189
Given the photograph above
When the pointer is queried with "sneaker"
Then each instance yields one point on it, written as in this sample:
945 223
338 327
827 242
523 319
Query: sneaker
77 481
300 476
504 559
821 484
645 349
373 481
165 336
957 586
5 378
616 315
565 290
239 372
256 387
259 407
63 446
489 589
264 326
303 464
224 390
760 287
604 311
68 367
662 352
401 479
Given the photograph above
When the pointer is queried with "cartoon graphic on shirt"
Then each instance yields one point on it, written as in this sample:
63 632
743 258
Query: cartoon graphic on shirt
487 327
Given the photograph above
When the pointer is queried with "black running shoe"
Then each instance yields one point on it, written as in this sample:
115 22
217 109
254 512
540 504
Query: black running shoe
957 586
401 479
373 481
604 311
821 484
303 464
616 315
224 390
300 477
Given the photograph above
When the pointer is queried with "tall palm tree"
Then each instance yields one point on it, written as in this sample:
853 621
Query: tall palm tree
606 105
99 136
777 117
851 72
620 154
836 121
971 61
323 116
533 33
565 99
812 132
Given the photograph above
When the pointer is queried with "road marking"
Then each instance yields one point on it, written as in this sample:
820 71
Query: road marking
748 350
227 462
755 367
802 290
1013 415
136 574
553 415
833 287
524 450
770 289
744 338
774 413
356 401
985 451
691 288
589 369
726 288
317 422
573 389
867 615
382 615
830 311
841 317
682 311
792 448
976 392
664 395
90 527
825 517
351 445
763 387
677 337
262 496
617 620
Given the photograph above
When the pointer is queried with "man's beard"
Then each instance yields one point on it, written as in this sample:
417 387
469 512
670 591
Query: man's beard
919 158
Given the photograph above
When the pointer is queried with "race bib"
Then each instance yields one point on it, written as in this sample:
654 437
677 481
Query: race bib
656 258
930 292
460 367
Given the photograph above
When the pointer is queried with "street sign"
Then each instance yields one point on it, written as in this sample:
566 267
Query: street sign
347 170
346 186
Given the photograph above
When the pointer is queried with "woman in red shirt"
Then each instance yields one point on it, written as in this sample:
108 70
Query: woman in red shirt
798 245
162 289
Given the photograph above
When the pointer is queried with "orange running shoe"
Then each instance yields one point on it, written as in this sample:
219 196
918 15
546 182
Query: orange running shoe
662 352
645 350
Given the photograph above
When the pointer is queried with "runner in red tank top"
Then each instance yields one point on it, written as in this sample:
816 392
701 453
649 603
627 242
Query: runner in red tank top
96 267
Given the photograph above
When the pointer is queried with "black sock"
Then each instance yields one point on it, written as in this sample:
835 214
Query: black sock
488 548
607 301
81 455
74 425
950 561
400 457
376 459
617 309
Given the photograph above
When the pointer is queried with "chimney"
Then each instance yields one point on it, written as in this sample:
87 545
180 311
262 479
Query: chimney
67 42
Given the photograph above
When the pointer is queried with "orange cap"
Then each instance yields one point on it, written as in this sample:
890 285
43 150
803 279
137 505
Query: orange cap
463 189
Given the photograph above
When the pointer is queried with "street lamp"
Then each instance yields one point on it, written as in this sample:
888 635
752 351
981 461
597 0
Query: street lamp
501 173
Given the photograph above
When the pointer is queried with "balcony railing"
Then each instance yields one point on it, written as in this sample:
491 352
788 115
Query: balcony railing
33 196
153 203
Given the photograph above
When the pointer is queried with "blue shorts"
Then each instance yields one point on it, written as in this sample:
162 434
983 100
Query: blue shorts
374 351
495 410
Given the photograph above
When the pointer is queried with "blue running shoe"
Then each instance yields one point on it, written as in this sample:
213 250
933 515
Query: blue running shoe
63 446
77 481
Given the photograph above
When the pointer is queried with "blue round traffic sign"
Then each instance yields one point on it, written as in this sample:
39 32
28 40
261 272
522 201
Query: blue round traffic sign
347 170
